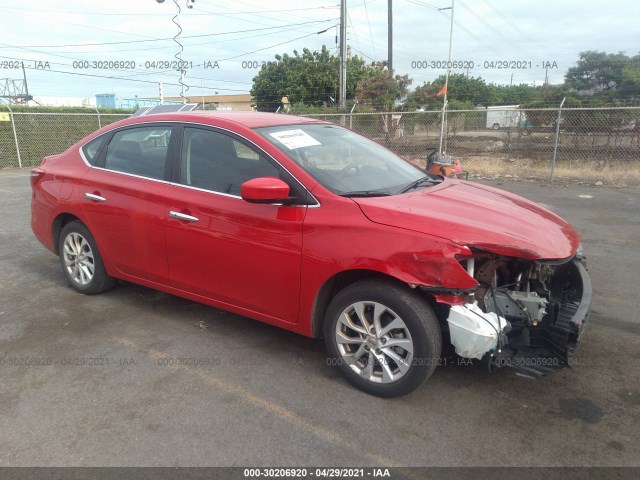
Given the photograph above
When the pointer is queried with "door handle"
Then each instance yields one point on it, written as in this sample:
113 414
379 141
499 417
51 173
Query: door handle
182 216
97 198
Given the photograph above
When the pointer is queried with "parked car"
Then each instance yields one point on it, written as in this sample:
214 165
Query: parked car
311 227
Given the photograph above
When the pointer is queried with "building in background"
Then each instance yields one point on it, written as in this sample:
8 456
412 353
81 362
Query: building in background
243 102
106 100
137 102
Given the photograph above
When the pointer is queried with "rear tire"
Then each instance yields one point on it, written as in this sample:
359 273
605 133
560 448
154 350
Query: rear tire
384 337
81 261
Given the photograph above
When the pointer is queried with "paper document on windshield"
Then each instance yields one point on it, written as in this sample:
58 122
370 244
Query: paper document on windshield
293 139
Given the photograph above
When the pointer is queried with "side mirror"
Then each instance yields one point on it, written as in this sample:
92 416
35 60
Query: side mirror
264 190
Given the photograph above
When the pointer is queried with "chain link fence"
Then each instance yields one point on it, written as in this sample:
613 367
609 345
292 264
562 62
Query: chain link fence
25 138
577 145
584 145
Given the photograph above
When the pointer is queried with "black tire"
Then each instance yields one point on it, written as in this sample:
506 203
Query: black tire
81 261
420 333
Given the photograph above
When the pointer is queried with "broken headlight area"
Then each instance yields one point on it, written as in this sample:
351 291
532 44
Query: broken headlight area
526 314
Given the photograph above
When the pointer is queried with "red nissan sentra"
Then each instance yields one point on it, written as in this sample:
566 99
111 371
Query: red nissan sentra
311 227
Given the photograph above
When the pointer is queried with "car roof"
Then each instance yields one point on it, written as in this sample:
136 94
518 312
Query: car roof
244 118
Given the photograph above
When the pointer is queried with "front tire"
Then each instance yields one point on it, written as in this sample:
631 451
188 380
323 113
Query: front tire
81 261
383 337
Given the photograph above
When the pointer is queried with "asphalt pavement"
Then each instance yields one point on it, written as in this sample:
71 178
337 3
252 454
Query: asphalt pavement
135 377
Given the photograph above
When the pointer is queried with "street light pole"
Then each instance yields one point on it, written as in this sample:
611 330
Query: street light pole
446 80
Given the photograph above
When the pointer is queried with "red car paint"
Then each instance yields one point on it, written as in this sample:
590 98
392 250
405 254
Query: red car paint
274 262
480 216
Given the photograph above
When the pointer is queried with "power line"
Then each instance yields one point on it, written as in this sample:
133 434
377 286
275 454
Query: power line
207 44
124 78
241 54
422 4
354 31
92 27
112 77
476 38
260 13
161 71
500 34
166 38
225 14
146 14
364 54
457 23
366 10
518 29
275 45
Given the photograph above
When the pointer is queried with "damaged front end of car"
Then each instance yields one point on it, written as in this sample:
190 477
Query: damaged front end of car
528 314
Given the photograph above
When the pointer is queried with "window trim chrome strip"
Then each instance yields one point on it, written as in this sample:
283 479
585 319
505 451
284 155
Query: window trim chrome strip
182 122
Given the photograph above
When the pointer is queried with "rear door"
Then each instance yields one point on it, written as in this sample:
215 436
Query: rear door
124 200
239 254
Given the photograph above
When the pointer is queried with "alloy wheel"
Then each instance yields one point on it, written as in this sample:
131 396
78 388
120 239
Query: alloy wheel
78 259
374 342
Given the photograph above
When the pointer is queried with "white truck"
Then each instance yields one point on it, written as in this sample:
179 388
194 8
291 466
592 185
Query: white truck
506 116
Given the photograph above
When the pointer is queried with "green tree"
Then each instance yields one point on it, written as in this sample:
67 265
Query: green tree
310 78
381 89
462 92
597 71
605 78
515 94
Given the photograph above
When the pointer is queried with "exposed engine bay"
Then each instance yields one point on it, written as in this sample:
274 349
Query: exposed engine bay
525 314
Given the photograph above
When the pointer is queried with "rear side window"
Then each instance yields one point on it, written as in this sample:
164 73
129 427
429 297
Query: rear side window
139 151
92 149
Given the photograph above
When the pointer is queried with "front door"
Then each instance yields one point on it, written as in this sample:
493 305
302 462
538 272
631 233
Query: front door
244 256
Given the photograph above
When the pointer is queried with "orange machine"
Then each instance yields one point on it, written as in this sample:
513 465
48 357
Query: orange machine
439 163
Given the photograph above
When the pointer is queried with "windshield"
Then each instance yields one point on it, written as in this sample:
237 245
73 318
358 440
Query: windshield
344 162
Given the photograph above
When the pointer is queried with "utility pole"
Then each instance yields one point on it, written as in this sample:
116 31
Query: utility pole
26 87
446 80
14 91
342 92
390 37
555 146
546 77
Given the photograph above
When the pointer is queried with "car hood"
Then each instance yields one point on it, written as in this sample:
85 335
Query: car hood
478 216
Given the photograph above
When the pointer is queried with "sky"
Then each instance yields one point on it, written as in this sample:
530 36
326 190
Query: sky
82 48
